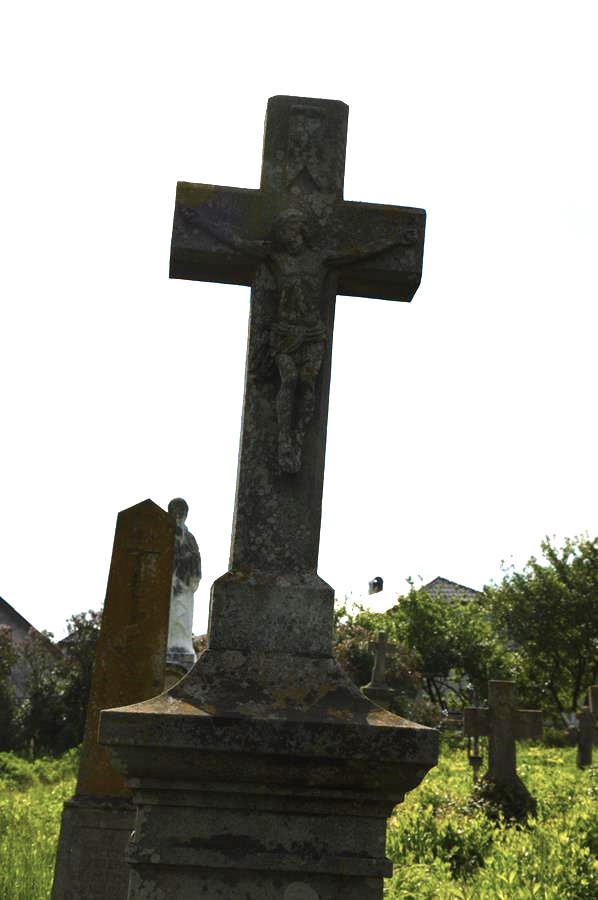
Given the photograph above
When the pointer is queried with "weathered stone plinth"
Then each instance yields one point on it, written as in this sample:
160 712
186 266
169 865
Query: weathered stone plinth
260 773
94 833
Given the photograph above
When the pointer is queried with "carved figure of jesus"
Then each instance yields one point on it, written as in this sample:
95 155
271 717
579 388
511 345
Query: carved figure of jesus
299 265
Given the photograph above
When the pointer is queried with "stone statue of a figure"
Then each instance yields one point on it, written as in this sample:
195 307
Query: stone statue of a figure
186 576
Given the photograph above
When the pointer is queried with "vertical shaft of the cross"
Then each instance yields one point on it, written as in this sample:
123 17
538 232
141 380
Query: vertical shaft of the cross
501 743
279 498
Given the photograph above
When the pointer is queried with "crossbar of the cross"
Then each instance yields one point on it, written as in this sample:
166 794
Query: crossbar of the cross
526 723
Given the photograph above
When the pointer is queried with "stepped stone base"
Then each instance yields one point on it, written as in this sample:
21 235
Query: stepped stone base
263 777
91 864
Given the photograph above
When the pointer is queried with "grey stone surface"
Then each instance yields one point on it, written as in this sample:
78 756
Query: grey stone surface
186 576
298 243
129 666
265 773
93 840
503 724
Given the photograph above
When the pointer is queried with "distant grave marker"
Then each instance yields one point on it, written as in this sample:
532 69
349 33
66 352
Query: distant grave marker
587 729
502 723
377 690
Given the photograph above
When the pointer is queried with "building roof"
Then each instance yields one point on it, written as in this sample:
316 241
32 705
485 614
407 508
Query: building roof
9 614
450 590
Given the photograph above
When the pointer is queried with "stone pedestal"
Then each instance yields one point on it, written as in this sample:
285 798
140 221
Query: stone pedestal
382 695
259 773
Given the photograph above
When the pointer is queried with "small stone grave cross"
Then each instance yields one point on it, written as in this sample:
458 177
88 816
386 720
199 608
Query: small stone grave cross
502 723
587 729
377 689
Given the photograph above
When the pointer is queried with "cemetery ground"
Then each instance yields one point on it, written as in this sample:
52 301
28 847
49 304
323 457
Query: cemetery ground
441 844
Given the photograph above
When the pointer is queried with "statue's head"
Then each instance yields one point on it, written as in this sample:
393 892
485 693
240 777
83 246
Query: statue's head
290 230
178 509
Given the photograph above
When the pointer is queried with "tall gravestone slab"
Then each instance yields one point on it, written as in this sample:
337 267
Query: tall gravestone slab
129 666
265 774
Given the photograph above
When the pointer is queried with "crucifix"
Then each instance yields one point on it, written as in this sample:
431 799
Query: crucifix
502 723
298 244
267 712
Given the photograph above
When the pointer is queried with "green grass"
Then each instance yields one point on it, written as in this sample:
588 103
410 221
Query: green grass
31 798
442 847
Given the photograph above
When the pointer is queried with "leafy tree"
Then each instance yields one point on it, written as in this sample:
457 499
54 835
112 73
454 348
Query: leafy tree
7 694
74 671
40 716
456 642
447 649
549 613
51 717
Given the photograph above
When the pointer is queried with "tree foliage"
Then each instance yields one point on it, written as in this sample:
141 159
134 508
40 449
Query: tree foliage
457 643
446 650
50 717
549 614
7 693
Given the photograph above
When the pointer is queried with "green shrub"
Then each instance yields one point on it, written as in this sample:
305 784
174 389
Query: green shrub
17 773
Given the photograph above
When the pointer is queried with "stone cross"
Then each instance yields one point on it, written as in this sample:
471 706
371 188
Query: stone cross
502 723
129 666
382 650
377 689
240 768
298 244
587 729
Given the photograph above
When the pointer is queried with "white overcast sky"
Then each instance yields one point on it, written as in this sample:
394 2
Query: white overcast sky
462 426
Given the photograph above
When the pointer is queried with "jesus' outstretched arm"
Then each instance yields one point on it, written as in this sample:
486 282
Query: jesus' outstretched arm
253 249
